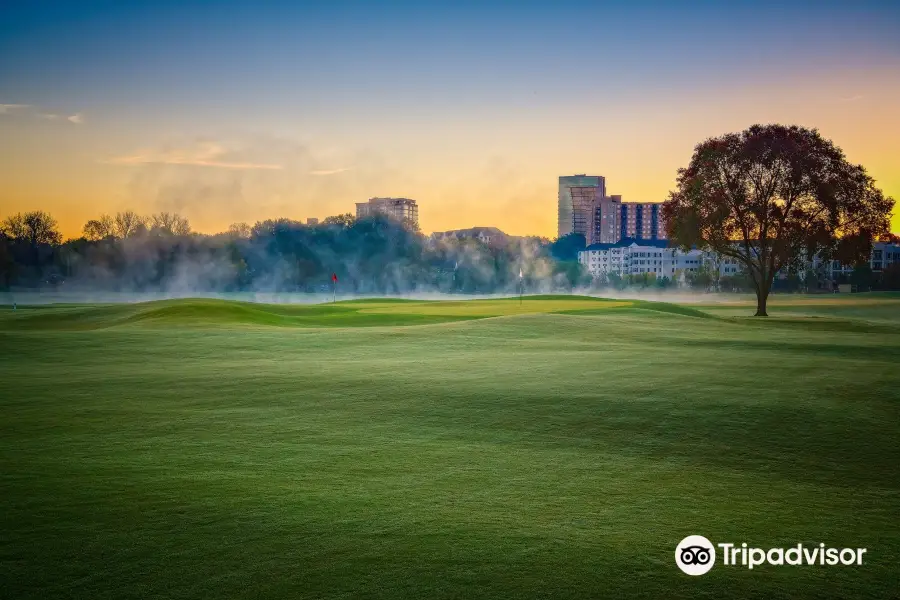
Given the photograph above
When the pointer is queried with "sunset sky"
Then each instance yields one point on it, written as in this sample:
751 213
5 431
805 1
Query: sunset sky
239 111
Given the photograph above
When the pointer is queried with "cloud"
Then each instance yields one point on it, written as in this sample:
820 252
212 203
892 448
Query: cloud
852 98
213 197
207 154
329 171
6 109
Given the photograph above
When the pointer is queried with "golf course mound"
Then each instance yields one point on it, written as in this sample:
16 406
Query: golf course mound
350 313
869 313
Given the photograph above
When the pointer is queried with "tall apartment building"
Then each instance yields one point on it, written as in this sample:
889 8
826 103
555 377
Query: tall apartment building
606 221
584 208
578 196
401 209
641 221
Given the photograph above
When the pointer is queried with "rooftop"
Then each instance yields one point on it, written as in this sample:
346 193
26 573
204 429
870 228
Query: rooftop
628 242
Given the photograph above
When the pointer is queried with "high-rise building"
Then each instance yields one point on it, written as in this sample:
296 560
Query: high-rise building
585 208
641 221
402 209
606 220
578 196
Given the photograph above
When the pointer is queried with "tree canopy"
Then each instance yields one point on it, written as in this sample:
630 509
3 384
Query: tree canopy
371 255
772 197
35 228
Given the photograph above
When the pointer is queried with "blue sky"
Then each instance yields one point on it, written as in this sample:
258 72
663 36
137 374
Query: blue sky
424 84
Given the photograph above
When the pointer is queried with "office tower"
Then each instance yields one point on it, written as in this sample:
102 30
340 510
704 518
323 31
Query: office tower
578 196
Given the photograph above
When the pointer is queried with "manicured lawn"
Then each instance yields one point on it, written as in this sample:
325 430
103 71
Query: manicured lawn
557 448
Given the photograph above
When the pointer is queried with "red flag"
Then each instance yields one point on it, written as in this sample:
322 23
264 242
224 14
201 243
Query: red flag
334 278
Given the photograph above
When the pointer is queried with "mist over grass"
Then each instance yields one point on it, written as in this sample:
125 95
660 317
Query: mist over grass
372 256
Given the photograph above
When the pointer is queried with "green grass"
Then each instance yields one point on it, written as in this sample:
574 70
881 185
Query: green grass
557 448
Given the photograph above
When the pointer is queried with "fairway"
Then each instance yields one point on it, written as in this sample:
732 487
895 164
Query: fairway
553 447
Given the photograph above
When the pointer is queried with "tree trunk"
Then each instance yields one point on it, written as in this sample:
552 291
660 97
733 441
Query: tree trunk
762 295
763 285
761 305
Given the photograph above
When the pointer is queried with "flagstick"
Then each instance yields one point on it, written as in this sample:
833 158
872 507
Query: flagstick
334 292
521 287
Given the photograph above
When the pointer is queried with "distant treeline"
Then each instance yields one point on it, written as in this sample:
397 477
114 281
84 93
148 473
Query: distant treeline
130 252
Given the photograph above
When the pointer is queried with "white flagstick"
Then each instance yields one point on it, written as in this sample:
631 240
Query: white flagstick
520 286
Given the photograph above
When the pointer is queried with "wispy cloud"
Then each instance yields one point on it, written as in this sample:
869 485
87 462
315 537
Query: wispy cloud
329 171
203 155
852 98
28 109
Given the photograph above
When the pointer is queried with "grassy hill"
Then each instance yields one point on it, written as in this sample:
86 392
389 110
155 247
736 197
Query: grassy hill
560 447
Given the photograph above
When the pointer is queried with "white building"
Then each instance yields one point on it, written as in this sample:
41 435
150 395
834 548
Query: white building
632 257
883 255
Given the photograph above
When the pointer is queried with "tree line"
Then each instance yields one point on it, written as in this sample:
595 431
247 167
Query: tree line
146 253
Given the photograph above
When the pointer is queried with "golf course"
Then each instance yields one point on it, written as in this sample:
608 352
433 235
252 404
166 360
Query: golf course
544 447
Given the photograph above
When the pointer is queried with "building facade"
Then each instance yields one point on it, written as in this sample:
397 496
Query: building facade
585 208
606 221
401 209
631 256
883 255
578 195
641 221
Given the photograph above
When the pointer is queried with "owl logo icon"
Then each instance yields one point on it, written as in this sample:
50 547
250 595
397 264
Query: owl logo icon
695 555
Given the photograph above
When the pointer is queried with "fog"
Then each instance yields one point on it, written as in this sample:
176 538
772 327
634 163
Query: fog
129 258
282 261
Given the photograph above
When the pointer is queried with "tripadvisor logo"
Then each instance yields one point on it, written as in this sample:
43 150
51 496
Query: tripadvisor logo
696 555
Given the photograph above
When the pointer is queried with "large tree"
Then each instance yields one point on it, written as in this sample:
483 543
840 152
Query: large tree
773 197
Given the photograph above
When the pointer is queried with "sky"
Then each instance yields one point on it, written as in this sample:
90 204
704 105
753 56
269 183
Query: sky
240 111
